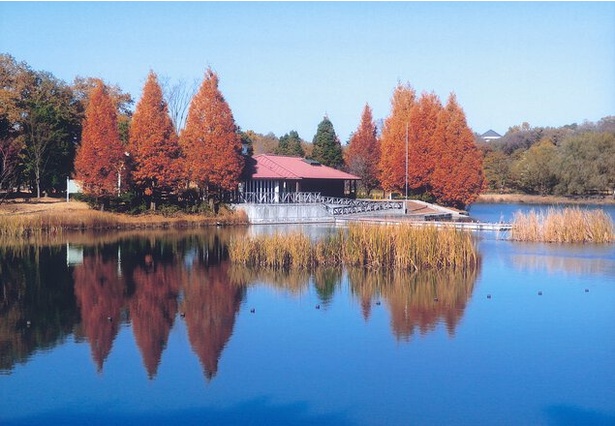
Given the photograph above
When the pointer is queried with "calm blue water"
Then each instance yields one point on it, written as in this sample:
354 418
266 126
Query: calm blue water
500 212
157 330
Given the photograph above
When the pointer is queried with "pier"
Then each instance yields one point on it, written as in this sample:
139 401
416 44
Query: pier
470 226
315 208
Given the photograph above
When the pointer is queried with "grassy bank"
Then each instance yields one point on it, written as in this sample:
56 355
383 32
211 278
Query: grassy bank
403 247
27 220
569 225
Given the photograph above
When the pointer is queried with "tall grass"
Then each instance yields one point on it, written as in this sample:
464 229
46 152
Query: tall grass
48 224
569 225
370 246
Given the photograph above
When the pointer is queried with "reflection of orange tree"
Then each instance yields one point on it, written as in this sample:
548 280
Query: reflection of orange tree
210 305
153 308
418 300
100 296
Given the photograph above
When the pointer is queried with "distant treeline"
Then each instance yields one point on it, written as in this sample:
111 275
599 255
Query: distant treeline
572 160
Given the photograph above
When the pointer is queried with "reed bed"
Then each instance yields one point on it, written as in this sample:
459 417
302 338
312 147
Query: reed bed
568 225
403 247
43 225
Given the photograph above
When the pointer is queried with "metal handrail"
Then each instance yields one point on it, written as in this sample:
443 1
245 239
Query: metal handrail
335 205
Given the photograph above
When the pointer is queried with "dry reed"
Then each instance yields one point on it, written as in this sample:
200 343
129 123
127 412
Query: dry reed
49 224
374 247
569 225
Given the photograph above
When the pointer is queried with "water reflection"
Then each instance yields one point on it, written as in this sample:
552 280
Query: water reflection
418 301
35 313
573 259
293 282
101 294
210 306
153 306
151 282
91 291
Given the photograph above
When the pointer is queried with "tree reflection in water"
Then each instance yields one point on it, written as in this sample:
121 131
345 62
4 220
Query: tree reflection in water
151 281
417 301
101 295
153 306
210 306
37 310
146 278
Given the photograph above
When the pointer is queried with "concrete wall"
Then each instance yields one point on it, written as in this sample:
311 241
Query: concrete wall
286 213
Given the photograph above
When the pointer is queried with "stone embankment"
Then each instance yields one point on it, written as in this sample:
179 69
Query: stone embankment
391 212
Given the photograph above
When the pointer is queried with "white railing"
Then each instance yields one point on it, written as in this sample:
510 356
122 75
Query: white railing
270 197
343 206
336 206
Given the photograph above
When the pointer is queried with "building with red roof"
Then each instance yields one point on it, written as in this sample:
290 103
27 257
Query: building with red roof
278 179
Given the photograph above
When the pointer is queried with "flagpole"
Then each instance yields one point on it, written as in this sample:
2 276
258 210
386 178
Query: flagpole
406 160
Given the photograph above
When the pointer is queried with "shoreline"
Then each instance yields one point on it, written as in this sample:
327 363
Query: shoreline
494 198
21 218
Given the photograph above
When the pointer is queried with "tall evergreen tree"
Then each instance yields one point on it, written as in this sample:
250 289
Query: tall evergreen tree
290 144
363 153
458 178
327 146
153 144
100 159
210 140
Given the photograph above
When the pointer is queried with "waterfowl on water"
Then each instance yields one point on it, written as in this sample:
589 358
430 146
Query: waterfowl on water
317 306
540 293
488 296
252 310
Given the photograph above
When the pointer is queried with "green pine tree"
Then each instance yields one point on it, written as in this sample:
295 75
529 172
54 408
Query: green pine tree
290 144
327 146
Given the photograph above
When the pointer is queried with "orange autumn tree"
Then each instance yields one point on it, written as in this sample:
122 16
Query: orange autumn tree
422 154
153 144
363 152
458 176
99 161
210 141
392 163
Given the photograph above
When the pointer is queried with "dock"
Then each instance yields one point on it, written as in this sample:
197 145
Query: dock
469 226
313 208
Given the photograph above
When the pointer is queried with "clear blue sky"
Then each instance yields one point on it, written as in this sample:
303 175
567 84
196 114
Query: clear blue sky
282 66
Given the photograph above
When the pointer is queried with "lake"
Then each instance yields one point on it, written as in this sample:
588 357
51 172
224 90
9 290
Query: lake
504 212
159 328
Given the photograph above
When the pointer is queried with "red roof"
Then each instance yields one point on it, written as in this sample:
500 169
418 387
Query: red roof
294 168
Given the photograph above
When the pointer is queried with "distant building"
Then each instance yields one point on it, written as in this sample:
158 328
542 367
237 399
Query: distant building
281 179
490 136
